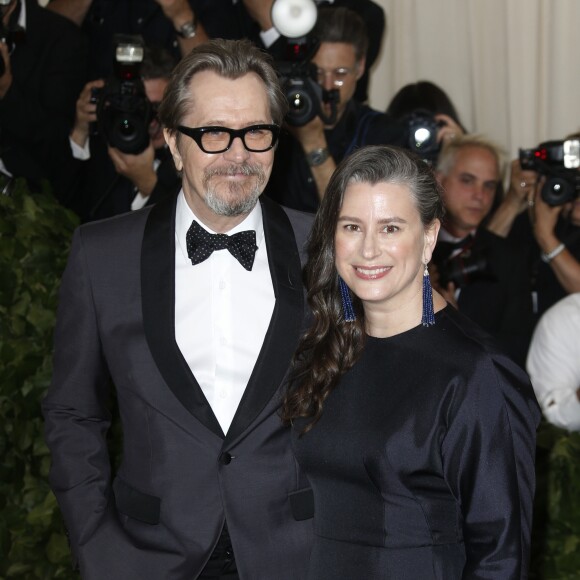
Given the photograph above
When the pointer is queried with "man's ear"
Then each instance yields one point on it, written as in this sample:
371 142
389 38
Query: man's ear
171 140
360 67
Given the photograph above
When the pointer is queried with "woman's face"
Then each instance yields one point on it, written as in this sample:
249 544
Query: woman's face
381 245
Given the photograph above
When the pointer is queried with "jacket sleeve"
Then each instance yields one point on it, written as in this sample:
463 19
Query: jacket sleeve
77 417
488 456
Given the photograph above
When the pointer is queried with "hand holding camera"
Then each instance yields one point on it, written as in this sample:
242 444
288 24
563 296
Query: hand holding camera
136 168
86 112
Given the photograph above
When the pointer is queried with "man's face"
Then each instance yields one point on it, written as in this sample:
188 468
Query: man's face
336 61
222 188
154 89
469 189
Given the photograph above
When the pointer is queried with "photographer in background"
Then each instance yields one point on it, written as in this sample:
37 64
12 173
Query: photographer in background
101 180
42 69
429 114
308 154
168 24
551 231
478 272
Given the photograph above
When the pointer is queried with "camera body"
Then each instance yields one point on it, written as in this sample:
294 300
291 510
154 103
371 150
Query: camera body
422 128
124 112
301 90
298 79
470 265
559 162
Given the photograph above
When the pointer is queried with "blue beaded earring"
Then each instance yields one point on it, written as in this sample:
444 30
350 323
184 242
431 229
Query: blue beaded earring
428 317
346 301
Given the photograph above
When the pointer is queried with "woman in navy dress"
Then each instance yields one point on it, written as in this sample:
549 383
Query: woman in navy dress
417 434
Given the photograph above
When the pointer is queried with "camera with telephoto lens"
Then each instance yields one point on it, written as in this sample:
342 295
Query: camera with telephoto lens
422 128
124 112
471 265
298 79
559 162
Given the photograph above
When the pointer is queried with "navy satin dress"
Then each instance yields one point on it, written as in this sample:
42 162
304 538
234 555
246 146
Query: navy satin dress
422 464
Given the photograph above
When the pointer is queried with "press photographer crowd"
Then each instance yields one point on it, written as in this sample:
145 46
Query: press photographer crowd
101 107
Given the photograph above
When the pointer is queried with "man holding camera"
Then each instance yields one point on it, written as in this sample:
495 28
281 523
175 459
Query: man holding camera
192 308
478 272
308 154
120 162
551 230
42 65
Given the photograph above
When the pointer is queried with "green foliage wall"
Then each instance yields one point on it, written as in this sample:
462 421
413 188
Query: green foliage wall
34 241
556 532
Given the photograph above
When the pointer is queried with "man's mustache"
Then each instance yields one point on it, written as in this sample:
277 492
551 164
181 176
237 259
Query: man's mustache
230 170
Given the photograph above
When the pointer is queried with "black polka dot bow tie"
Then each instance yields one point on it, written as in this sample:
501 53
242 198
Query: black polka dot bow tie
201 244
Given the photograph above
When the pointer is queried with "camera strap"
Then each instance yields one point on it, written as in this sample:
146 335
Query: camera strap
360 136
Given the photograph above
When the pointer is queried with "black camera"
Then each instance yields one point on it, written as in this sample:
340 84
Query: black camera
124 112
298 78
471 265
422 128
559 162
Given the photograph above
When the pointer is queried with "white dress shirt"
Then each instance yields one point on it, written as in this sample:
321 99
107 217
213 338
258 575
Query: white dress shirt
554 363
222 313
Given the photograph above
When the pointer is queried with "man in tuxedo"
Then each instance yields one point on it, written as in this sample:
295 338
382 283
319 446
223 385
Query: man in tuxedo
481 274
192 308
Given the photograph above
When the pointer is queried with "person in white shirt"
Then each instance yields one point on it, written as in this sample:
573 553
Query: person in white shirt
554 363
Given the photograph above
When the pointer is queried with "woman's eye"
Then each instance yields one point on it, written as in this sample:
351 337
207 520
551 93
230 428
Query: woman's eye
351 228
391 229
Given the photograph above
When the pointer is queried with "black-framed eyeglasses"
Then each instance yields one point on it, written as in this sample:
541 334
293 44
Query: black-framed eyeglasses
256 138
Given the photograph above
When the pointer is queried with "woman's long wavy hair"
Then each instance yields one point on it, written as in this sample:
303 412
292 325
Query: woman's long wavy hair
331 346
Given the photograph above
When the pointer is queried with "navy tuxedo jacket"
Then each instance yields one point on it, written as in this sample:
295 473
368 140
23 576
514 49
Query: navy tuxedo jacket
180 478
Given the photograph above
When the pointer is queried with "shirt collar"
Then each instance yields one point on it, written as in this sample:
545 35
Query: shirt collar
445 236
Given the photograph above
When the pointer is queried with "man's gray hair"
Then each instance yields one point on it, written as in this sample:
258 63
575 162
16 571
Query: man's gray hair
230 59
448 154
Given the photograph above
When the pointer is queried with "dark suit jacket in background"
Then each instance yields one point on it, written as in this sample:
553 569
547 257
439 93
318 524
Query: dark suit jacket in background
37 112
501 304
94 190
160 516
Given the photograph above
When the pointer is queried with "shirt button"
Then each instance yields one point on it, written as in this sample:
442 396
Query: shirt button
223 340
222 284
225 458
223 394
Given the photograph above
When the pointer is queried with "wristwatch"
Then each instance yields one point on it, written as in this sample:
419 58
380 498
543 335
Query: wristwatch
187 30
317 156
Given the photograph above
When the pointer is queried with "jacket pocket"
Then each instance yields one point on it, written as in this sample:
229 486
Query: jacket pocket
302 504
136 504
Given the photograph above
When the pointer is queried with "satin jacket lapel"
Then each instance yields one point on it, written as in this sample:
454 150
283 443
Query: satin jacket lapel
158 298
286 323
